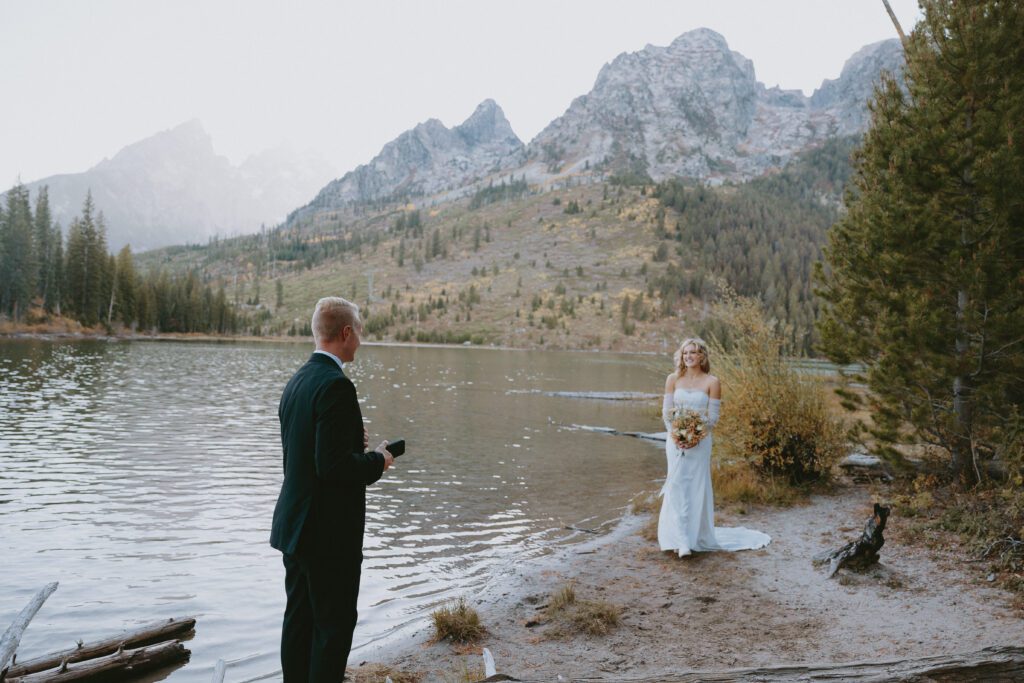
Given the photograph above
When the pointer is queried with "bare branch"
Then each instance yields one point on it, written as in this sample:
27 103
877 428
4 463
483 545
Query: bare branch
895 22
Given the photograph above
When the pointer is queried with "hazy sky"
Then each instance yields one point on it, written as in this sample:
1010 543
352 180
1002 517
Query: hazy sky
83 78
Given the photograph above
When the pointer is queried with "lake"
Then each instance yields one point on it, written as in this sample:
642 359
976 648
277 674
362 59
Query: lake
143 475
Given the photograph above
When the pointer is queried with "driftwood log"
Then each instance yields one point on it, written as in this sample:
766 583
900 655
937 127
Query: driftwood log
121 664
862 467
157 632
864 551
12 636
988 665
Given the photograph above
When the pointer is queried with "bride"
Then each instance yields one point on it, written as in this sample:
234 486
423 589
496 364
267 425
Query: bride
687 520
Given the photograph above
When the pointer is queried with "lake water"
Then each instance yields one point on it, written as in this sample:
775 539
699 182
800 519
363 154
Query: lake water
143 476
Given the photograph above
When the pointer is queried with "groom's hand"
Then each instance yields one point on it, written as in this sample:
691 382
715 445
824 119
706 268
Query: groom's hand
389 459
366 439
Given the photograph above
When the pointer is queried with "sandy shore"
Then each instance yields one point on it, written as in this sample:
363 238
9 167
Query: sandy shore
715 611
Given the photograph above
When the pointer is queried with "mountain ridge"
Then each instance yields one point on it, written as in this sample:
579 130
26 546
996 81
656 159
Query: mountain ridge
172 187
693 109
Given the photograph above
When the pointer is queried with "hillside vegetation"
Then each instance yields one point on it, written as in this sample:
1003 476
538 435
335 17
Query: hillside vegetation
609 266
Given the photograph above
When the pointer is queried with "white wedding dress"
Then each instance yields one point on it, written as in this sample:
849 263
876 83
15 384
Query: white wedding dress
687 521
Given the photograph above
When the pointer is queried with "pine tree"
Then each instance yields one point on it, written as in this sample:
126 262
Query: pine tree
55 294
103 281
86 286
20 267
126 287
44 249
75 266
925 285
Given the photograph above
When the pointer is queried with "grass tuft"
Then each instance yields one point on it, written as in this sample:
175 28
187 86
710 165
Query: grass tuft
572 615
457 622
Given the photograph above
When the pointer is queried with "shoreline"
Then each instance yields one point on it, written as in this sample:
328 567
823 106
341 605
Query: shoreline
720 611
229 339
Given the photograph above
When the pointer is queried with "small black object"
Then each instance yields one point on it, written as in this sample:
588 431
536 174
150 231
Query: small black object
396 448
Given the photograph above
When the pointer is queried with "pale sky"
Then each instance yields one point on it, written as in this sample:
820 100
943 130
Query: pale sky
83 78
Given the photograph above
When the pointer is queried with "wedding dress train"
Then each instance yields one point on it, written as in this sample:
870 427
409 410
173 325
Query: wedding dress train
687 520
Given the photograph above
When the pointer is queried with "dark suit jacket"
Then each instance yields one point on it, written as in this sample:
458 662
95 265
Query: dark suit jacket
321 510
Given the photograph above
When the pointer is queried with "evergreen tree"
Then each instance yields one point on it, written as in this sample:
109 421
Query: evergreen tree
924 282
55 293
3 251
75 266
20 267
45 249
126 287
104 275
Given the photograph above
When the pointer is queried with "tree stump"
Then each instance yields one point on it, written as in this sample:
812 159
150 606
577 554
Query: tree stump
863 552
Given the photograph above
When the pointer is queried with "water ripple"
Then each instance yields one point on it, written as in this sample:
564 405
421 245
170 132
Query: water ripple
143 477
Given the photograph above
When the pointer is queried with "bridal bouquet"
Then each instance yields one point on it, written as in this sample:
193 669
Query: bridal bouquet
689 427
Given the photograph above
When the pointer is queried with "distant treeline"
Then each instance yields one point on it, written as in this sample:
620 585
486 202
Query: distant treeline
762 237
41 271
498 193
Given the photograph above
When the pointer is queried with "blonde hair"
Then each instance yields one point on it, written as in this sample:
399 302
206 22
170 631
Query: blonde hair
702 346
331 315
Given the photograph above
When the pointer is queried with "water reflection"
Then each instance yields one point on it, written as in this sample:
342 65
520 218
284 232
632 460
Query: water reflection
143 476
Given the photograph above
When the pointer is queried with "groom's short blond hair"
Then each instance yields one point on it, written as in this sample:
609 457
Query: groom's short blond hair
331 315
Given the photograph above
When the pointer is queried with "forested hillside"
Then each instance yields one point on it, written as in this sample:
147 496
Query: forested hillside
611 265
761 237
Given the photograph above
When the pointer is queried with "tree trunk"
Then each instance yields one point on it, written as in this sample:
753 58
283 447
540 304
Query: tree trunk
145 635
110 309
895 22
864 551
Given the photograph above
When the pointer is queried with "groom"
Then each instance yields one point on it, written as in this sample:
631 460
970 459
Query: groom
321 510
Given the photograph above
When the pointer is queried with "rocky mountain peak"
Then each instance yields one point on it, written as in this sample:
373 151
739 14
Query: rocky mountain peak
695 109
692 108
846 97
487 123
184 141
427 159
172 187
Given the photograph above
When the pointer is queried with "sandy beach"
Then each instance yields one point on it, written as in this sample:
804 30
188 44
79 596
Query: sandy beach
719 611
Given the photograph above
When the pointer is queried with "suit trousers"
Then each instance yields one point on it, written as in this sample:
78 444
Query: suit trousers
319 617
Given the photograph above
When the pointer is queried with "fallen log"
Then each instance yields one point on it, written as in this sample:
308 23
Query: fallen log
157 632
862 467
864 551
991 664
12 636
648 436
123 663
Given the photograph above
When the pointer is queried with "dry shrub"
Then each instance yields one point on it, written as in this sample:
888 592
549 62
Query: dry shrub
774 418
742 482
379 673
457 622
572 615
